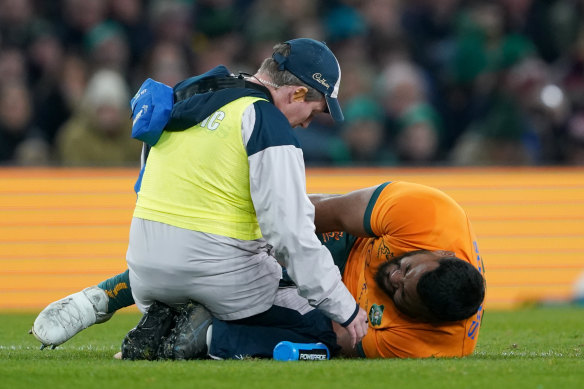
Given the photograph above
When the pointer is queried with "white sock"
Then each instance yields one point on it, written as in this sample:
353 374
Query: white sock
208 341
209 336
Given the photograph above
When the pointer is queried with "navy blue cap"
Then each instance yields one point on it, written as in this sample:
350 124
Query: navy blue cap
316 65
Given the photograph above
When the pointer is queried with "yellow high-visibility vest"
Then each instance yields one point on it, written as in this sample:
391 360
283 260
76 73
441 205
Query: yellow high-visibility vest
198 179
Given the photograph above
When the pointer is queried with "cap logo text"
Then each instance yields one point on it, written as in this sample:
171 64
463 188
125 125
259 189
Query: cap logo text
318 78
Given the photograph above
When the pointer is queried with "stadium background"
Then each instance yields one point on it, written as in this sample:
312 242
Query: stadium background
482 99
64 229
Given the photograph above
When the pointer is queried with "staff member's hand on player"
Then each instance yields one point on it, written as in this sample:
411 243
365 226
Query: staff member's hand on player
357 329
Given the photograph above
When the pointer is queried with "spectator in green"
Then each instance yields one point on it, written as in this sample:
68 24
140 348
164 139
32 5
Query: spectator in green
98 133
416 125
364 133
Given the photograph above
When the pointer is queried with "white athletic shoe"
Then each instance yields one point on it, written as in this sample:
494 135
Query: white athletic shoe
63 319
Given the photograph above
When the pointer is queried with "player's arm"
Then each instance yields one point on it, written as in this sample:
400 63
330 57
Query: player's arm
342 212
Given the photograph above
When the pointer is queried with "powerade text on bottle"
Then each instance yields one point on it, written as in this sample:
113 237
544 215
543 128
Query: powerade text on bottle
289 351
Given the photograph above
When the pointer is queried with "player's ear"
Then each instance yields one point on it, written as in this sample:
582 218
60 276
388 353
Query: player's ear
299 95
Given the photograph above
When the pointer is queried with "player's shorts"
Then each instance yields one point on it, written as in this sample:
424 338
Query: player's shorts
233 279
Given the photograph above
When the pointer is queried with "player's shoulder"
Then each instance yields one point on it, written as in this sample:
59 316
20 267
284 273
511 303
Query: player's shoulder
405 189
393 201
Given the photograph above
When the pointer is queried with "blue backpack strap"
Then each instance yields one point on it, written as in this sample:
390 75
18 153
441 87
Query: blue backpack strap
151 108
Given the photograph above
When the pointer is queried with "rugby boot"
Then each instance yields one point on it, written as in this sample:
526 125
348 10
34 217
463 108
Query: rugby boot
143 341
188 338
63 319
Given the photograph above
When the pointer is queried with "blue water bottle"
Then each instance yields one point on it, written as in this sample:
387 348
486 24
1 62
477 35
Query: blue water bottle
289 351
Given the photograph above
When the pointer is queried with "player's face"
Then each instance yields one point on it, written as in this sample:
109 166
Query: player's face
399 279
301 113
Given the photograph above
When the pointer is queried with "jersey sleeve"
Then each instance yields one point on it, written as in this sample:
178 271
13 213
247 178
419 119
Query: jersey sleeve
408 343
417 340
410 216
384 344
285 213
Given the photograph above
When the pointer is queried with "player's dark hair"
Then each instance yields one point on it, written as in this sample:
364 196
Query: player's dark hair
453 291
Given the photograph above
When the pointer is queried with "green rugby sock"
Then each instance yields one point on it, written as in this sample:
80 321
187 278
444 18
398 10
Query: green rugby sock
118 290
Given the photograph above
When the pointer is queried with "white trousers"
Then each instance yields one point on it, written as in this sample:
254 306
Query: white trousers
232 278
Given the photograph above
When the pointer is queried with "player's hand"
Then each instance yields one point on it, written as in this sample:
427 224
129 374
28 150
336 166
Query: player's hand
357 329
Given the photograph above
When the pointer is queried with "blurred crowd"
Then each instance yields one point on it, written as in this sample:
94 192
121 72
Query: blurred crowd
424 82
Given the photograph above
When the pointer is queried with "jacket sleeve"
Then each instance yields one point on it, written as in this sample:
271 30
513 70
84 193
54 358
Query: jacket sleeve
286 215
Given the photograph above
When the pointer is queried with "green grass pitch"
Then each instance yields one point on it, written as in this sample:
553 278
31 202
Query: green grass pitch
528 348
